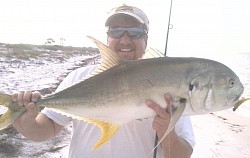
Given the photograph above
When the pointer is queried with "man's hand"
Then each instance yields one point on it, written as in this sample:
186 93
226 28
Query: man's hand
173 145
27 99
163 116
32 124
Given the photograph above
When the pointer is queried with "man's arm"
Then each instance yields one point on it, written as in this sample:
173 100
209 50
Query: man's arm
173 145
34 126
176 147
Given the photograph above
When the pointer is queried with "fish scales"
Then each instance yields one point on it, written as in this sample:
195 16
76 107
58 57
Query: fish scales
137 77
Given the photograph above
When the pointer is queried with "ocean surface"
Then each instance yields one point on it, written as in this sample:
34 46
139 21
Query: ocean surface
47 71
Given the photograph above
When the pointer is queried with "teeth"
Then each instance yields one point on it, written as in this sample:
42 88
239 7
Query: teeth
125 50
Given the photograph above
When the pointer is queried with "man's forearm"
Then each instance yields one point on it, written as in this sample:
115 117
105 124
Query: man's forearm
176 147
40 129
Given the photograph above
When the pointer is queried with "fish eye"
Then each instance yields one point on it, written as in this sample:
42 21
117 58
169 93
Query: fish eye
191 87
231 82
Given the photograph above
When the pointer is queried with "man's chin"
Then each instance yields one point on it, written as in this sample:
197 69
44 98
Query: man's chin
126 57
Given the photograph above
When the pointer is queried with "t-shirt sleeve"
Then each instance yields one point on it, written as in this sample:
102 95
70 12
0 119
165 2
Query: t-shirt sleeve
73 77
184 129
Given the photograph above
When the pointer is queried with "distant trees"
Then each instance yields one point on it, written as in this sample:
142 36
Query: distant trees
51 41
62 40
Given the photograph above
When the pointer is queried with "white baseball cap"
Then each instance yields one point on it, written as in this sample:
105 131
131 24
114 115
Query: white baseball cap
132 11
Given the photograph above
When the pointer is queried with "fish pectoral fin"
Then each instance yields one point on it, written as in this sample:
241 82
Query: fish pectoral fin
108 131
175 116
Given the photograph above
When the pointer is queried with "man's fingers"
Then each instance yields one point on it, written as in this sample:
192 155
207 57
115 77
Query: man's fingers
161 120
24 98
27 97
14 97
35 96
32 109
20 98
169 101
158 110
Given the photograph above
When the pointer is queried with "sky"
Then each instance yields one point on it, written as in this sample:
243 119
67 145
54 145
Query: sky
199 26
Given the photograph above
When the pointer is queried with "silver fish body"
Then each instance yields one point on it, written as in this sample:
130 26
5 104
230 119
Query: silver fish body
122 90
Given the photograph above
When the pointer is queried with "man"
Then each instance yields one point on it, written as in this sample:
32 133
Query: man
127 36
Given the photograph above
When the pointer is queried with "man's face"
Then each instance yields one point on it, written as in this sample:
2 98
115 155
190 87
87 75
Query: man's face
126 47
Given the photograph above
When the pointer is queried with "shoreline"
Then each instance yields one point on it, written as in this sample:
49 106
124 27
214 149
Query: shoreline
224 134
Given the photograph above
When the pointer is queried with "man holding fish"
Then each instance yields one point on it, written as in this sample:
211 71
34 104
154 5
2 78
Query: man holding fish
127 35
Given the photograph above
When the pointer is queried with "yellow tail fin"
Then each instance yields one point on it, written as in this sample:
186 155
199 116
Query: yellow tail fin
5 99
13 112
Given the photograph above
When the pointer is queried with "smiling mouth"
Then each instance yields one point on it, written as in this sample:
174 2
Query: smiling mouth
125 50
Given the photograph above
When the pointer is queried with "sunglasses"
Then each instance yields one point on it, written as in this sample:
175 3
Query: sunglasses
133 32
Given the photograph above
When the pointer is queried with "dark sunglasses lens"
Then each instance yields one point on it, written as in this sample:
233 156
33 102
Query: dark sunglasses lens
116 33
136 34
133 33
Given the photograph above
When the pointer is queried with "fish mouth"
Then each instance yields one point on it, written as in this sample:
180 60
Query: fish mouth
237 98
233 101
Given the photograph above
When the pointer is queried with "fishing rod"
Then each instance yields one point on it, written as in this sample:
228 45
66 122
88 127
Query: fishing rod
169 18
165 53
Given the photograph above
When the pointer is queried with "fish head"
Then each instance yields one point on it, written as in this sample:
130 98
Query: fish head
215 90
227 89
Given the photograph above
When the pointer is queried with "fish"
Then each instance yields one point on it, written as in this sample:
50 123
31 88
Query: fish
116 92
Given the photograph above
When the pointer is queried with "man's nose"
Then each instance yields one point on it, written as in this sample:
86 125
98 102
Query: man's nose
125 38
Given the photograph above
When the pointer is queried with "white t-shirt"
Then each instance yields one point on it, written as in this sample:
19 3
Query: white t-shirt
133 140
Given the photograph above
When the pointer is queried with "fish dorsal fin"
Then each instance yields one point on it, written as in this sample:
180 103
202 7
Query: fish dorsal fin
152 53
109 58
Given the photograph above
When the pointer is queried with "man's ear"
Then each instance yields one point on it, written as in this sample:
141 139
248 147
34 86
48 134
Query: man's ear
146 40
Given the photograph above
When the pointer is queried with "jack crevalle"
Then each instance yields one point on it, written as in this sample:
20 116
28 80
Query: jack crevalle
116 92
